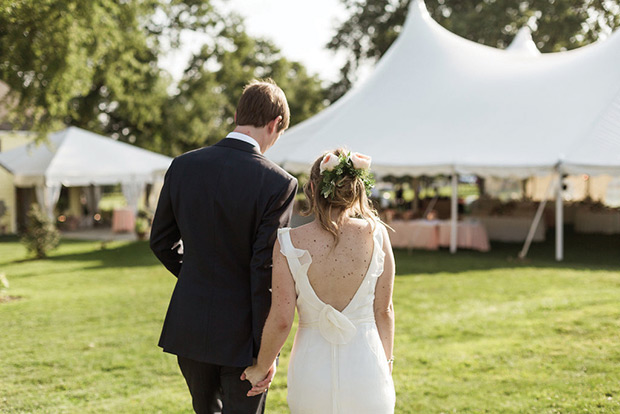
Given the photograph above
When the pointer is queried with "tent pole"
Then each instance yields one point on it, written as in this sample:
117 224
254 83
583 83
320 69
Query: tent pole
454 212
415 183
559 222
537 217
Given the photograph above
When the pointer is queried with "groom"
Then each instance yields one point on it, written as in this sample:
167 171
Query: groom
225 203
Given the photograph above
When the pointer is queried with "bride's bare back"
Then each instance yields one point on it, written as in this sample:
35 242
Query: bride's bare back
336 273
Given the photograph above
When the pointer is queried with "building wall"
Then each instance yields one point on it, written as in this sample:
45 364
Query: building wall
75 207
10 140
7 195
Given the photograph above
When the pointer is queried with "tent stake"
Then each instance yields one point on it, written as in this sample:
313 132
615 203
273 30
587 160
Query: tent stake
537 217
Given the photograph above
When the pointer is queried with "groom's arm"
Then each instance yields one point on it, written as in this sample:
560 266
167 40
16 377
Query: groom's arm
165 234
277 215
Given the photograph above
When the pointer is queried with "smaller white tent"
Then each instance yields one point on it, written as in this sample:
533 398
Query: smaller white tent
76 157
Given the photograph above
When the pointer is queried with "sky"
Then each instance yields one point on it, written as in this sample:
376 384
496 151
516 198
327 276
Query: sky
300 28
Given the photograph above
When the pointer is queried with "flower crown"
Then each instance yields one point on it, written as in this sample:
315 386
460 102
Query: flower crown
334 167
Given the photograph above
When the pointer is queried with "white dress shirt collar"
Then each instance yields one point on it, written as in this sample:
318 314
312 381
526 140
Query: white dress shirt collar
244 138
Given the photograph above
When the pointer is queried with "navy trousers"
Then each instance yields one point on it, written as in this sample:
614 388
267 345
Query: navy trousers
217 389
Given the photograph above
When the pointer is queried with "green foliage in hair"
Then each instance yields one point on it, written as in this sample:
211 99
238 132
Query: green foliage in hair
344 167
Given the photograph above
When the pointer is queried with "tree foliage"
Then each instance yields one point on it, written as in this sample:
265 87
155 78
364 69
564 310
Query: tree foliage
85 62
556 24
94 64
41 234
203 110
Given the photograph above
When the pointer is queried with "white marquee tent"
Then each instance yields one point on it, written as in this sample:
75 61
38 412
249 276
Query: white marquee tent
437 103
75 157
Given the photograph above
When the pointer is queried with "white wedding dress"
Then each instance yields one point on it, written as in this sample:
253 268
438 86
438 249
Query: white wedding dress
337 363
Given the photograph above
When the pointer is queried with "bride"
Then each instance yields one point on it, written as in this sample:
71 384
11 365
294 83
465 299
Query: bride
339 272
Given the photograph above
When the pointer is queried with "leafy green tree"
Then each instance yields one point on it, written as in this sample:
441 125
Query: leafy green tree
203 110
91 63
94 64
557 25
41 234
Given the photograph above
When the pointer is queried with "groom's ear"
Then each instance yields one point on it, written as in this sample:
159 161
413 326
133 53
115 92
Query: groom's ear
272 126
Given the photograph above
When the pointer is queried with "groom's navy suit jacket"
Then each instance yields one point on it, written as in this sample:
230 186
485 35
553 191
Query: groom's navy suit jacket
225 202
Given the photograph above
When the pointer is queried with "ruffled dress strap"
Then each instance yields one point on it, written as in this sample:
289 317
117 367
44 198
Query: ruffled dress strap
378 253
298 260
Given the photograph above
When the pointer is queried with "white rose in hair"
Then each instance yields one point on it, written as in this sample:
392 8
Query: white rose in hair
330 161
360 161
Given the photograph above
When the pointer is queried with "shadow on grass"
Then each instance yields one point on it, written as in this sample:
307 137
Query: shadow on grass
107 254
581 251
131 254
8 299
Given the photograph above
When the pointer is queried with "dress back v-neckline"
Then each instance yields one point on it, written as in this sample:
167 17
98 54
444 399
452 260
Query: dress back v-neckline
304 267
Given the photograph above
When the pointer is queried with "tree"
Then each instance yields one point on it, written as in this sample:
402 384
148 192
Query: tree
91 63
203 110
94 64
556 24
41 234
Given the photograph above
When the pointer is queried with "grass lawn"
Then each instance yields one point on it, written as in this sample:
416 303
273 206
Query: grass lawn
476 333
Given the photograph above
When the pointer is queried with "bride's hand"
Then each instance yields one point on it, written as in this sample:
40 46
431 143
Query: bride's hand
253 374
260 380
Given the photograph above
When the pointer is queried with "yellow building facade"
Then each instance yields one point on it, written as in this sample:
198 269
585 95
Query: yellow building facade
8 196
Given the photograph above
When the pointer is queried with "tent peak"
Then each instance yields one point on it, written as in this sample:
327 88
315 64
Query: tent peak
523 43
421 21
417 8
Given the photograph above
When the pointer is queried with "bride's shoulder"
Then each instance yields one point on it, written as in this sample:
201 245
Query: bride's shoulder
366 225
304 236
374 227
303 230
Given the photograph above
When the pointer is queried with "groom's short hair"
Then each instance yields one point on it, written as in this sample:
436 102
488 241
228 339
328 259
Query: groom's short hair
261 102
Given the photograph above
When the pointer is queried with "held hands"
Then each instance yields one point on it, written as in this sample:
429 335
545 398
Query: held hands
259 379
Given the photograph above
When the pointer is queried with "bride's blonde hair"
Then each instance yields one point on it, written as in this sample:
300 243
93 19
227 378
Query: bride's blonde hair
348 196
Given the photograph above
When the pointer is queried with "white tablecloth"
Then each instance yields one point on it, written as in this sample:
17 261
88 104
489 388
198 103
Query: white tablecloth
602 222
511 229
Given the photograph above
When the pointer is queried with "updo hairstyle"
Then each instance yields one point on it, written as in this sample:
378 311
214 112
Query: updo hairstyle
348 199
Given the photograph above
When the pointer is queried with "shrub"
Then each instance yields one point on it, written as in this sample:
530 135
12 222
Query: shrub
3 212
4 284
142 226
41 235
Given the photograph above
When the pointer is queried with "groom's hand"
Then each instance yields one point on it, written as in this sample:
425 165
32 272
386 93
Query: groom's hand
262 386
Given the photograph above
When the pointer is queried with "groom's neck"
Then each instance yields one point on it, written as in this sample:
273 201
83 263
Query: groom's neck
259 134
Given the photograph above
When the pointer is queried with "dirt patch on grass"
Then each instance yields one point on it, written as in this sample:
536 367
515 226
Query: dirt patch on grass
7 299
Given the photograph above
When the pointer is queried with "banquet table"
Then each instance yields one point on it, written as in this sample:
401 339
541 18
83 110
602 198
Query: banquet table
415 234
123 220
602 222
432 234
469 235
511 228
